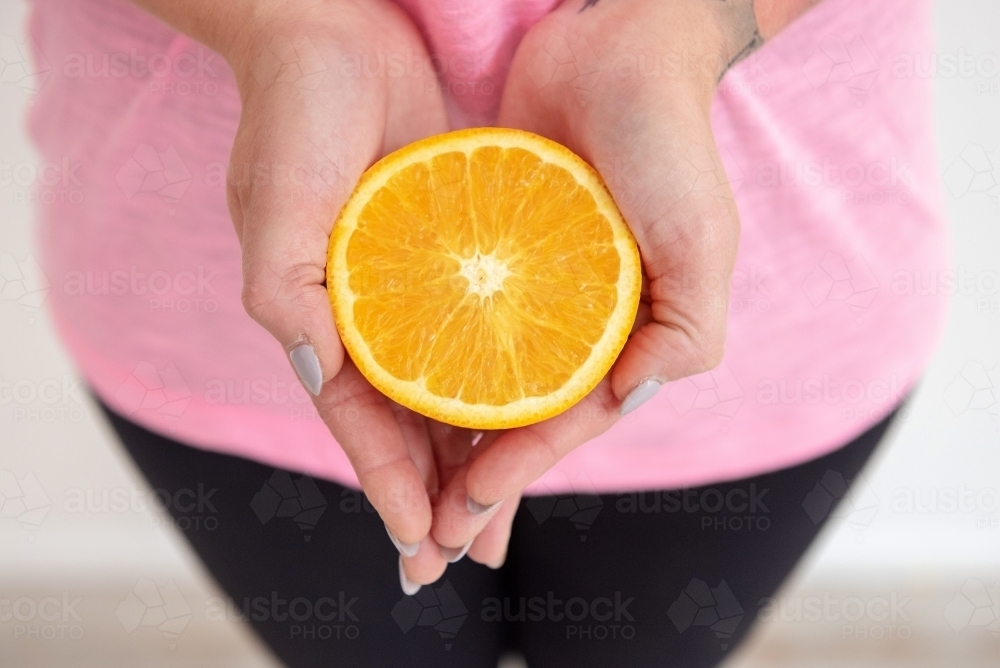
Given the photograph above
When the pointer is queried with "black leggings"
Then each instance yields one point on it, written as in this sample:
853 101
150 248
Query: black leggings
661 578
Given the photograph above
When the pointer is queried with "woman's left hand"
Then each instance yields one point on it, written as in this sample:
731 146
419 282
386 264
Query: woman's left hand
627 86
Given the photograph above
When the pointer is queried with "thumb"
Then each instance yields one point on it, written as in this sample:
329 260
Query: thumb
283 204
674 194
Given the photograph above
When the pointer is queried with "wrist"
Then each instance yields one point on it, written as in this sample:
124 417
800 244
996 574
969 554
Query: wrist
708 37
681 47
269 34
240 30
774 15
273 25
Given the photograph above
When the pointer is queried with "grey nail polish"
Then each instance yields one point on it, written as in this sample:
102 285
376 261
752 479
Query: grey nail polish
642 393
306 365
405 549
453 554
409 588
477 508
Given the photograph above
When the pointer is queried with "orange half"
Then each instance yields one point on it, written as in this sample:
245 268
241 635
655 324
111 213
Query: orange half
483 277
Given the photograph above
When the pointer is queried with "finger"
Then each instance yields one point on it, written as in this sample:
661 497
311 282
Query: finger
490 546
454 446
426 563
678 204
415 433
517 458
455 524
668 181
457 519
361 420
451 446
643 316
285 191
298 154
448 447
425 567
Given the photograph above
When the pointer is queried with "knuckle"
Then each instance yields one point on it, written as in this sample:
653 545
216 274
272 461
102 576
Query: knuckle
256 298
709 355
265 290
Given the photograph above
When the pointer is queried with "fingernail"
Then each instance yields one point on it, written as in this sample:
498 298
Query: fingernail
453 554
499 562
477 508
642 393
409 588
306 365
406 549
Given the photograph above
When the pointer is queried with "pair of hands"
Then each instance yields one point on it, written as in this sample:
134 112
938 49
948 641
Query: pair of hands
330 87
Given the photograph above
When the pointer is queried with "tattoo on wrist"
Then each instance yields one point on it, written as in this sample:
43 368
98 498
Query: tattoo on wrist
738 20
744 21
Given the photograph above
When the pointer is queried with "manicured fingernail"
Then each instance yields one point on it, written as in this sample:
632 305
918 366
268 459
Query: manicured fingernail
409 588
453 554
306 365
405 549
642 393
477 508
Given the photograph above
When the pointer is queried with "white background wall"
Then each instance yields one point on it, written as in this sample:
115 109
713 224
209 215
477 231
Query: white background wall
949 442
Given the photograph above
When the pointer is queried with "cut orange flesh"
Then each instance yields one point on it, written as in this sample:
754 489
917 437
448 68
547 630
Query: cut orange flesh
483 278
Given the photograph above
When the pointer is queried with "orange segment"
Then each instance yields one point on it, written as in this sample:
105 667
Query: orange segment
483 277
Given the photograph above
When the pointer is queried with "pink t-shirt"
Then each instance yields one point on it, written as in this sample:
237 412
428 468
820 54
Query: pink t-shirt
828 148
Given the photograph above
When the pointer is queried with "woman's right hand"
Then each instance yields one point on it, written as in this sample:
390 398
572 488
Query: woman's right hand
327 89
